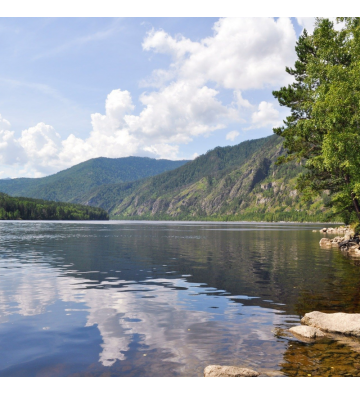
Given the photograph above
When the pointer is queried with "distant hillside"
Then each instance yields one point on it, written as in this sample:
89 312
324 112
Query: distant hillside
16 208
240 182
67 185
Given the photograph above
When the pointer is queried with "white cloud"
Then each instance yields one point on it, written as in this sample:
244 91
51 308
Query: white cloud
4 123
170 117
308 23
240 101
195 155
266 115
232 135
41 144
180 111
243 53
11 152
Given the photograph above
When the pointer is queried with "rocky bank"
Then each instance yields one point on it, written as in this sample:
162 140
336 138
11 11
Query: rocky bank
349 243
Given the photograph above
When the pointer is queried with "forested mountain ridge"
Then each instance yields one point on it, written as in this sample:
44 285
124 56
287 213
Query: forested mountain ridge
68 184
216 161
16 208
240 182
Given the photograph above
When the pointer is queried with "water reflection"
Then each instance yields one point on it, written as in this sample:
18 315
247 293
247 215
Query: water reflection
161 299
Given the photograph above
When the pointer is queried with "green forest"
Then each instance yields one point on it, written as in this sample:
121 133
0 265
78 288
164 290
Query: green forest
19 208
70 184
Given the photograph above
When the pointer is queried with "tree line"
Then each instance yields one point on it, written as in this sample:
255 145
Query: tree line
17 208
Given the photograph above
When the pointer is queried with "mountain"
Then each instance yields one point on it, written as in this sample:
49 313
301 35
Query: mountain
240 182
68 184
34 209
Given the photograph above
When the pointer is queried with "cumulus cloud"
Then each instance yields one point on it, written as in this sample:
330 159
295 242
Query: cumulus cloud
232 135
308 23
4 123
170 117
180 111
266 115
241 54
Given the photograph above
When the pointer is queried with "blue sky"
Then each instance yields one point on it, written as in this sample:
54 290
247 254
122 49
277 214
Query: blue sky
76 88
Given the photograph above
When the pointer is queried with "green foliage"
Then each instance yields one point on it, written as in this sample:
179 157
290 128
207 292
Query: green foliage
33 209
235 183
71 184
323 128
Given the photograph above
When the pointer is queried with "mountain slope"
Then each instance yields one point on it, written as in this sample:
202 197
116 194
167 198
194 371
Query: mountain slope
68 184
240 182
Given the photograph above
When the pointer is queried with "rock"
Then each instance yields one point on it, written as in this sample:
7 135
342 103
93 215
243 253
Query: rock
293 193
347 324
349 235
337 239
228 371
354 251
272 373
340 229
325 242
306 331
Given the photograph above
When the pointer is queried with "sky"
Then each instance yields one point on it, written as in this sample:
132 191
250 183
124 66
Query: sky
72 89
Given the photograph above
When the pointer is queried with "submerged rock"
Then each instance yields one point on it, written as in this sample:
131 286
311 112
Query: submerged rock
228 371
307 331
347 324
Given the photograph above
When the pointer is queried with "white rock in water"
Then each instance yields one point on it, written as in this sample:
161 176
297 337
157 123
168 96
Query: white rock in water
306 331
228 371
349 235
347 324
325 242
354 251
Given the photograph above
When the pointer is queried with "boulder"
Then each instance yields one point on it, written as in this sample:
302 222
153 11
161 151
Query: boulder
354 251
337 239
347 324
323 230
228 371
306 331
349 235
325 242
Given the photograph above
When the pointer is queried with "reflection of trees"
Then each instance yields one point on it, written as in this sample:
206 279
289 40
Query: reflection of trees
283 266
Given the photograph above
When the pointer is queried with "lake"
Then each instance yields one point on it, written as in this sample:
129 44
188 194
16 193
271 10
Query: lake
132 298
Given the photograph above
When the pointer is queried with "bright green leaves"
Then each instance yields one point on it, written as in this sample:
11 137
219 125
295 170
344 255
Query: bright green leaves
324 125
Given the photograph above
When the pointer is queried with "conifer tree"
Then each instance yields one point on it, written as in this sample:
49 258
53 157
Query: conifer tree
322 130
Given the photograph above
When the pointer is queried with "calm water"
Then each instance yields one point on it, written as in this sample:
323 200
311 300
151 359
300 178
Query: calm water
167 299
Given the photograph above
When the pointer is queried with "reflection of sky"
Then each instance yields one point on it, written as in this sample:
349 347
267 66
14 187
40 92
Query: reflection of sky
176 320
49 311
